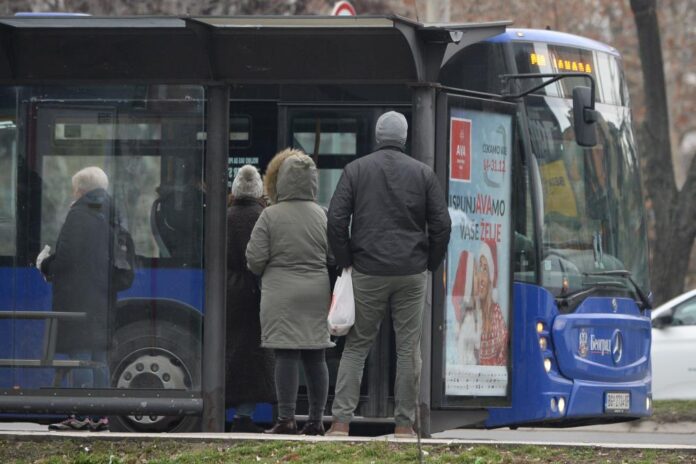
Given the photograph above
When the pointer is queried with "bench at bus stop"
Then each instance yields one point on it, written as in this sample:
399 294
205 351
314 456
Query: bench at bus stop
48 351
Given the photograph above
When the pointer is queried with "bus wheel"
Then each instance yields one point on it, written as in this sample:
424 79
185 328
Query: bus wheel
147 355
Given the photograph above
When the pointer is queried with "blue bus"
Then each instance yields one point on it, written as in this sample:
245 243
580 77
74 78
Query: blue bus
529 132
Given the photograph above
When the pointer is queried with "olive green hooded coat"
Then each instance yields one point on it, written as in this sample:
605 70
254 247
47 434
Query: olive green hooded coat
288 249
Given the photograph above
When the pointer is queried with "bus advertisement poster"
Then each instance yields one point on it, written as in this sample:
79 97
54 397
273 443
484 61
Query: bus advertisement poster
478 265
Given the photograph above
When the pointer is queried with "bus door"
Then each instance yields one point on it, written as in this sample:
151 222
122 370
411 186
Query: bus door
334 136
473 305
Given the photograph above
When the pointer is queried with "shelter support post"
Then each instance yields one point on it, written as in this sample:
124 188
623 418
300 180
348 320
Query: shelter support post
217 145
423 149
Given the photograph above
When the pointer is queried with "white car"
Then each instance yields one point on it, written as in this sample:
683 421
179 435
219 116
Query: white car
674 349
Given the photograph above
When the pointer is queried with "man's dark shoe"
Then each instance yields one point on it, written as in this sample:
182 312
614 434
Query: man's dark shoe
70 424
284 426
313 428
244 424
99 425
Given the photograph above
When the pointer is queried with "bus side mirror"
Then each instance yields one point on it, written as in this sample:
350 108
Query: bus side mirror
584 117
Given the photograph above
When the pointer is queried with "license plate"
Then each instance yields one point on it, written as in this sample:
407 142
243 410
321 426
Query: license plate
617 402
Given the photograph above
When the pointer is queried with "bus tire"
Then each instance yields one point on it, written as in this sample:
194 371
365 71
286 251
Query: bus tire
155 355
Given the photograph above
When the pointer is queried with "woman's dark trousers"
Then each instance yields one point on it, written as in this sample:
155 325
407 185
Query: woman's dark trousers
287 363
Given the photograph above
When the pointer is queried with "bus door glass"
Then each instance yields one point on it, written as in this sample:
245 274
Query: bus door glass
333 138
471 341
253 135
143 193
8 231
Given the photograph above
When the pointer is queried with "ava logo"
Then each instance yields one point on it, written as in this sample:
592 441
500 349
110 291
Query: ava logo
460 149
583 345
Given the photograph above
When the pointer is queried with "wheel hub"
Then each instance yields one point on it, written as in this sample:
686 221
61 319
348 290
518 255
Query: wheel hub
153 370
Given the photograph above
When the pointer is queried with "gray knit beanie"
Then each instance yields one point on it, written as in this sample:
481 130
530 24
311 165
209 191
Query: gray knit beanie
247 183
391 130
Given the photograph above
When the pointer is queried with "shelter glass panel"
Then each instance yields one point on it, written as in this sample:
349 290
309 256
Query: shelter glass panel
110 248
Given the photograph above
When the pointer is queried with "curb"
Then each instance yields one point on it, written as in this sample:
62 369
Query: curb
643 426
230 438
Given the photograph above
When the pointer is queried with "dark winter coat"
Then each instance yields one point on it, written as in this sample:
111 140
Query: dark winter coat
80 270
400 223
248 367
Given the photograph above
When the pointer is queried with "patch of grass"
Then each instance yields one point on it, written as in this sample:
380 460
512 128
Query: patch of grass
81 451
674 411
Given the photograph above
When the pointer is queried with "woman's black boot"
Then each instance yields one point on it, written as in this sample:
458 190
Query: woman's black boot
313 428
284 427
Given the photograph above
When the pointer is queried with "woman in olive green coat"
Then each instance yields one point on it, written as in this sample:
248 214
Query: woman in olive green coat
288 249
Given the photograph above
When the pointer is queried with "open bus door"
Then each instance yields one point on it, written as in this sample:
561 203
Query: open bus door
472 292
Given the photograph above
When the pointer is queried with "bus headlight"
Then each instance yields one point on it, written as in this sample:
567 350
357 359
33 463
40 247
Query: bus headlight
648 403
561 405
547 364
540 327
553 404
543 344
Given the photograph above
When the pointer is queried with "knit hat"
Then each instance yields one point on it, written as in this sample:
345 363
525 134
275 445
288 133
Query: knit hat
391 130
247 183
488 250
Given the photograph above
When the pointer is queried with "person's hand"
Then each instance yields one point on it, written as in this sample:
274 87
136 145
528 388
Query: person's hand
43 255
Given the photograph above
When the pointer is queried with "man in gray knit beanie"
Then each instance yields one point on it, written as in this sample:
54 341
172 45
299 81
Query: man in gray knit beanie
391 130
388 220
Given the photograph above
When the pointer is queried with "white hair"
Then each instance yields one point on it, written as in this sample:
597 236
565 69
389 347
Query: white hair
90 178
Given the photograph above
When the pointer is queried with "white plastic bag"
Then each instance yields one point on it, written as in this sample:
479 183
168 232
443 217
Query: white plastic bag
42 256
342 311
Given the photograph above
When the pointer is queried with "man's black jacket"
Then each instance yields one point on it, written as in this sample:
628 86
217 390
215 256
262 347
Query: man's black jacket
400 223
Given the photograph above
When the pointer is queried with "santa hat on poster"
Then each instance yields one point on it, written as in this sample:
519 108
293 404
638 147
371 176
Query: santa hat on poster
489 251
464 279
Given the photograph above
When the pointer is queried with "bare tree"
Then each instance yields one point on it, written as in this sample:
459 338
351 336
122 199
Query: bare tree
675 210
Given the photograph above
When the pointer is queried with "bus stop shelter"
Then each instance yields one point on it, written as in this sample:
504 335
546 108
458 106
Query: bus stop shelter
219 52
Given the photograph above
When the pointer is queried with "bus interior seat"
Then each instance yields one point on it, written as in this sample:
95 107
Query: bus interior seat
176 222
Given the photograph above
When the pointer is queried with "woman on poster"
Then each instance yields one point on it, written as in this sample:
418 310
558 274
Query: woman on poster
494 333
467 311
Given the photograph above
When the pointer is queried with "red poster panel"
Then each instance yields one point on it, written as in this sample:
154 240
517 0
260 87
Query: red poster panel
460 149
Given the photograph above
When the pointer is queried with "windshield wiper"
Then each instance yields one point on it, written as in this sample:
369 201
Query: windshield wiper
570 300
627 274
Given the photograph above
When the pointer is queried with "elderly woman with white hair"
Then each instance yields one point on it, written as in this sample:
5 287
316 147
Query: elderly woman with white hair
248 367
80 273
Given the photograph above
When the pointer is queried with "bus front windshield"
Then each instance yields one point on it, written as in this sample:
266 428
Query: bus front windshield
591 204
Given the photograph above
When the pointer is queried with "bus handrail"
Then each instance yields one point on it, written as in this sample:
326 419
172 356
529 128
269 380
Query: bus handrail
41 315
